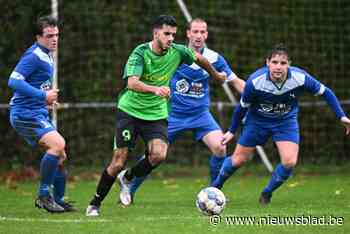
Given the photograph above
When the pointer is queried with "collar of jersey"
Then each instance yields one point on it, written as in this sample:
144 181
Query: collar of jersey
46 50
150 47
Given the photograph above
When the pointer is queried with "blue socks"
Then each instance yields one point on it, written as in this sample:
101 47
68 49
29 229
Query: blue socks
59 185
279 176
48 168
215 163
226 171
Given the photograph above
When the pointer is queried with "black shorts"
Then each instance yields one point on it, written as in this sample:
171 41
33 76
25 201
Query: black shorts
128 128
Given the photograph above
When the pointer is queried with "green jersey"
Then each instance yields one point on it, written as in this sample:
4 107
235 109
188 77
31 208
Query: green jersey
152 69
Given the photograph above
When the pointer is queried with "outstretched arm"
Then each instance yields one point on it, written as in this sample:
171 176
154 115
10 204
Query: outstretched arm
205 64
333 102
237 84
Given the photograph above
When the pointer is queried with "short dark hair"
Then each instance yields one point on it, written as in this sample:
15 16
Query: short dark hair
43 22
279 48
164 20
197 20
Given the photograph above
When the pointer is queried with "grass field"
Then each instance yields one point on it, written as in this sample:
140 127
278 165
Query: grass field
167 206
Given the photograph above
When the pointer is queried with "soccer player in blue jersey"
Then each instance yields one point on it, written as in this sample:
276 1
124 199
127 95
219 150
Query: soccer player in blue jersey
190 102
29 116
270 101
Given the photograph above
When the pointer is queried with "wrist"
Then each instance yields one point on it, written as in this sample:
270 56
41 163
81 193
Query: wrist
231 77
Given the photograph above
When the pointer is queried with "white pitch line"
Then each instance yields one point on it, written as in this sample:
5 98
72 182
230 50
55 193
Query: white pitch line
13 219
94 219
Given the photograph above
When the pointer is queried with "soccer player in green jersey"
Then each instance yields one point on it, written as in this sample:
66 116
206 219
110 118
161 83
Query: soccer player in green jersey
142 107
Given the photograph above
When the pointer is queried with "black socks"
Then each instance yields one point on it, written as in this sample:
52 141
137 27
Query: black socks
104 185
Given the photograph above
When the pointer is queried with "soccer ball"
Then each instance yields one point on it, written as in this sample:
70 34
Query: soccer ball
210 201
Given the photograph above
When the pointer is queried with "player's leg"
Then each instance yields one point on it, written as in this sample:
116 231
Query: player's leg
39 130
59 184
124 140
218 150
54 144
136 182
286 138
175 127
208 130
288 152
155 134
251 136
239 157
107 179
59 188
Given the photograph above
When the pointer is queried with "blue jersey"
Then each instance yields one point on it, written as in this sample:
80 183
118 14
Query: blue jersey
268 101
190 85
29 80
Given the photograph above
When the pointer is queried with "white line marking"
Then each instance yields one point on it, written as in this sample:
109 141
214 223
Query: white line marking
32 220
94 219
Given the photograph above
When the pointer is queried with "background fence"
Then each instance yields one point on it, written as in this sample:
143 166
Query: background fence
98 35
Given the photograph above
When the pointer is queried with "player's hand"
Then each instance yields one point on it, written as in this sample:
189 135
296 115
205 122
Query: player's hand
222 76
346 122
51 96
227 137
162 91
54 105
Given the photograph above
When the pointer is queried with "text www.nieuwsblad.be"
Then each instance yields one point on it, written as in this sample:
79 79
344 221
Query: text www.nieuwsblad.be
325 220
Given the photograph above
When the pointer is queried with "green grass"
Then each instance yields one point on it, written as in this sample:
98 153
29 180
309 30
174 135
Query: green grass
167 206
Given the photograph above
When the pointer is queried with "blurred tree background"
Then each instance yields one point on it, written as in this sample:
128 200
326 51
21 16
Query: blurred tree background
98 35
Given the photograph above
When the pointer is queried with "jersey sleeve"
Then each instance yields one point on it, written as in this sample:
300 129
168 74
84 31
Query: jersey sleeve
317 88
245 102
134 65
25 67
314 86
247 97
17 81
222 66
187 54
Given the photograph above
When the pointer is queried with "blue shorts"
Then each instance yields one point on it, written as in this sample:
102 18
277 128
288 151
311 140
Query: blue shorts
254 134
200 125
31 128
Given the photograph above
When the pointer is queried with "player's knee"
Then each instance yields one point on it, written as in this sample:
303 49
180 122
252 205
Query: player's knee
57 147
219 150
289 163
157 157
240 159
157 151
118 161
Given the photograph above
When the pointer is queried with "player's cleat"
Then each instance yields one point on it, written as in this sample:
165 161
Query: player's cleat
67 206
92 211
125 196
265 198
49 204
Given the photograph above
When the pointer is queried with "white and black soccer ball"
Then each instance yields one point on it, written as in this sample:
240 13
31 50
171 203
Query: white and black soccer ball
210 201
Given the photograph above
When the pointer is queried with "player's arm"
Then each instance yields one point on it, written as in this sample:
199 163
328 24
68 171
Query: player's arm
206 65
135 84
334 104
328 95
222 66
238 84
18 83
237 117
134 70
239 113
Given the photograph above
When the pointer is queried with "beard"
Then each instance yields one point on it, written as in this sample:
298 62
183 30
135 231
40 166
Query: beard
163 46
